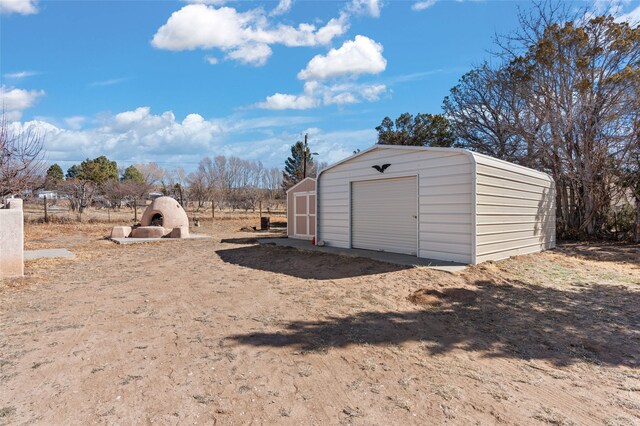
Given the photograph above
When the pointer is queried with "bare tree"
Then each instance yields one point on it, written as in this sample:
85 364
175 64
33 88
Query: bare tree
173 183
481 109
21 158
197 188
127 191
151 172
563 100
116 192
79 192
629 178
272 184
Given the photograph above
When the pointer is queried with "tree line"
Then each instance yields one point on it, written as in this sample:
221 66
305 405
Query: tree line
222 182
234 183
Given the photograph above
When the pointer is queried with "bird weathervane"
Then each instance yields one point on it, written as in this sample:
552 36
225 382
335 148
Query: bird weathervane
382 168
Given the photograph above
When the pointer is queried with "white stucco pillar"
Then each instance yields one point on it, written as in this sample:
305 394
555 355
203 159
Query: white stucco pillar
12 239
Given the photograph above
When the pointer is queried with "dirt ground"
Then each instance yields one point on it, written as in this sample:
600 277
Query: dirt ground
205 332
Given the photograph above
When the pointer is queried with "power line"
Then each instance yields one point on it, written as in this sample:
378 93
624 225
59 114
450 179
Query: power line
127 161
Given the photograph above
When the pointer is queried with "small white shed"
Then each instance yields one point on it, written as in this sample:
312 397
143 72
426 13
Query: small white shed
301 210
441 203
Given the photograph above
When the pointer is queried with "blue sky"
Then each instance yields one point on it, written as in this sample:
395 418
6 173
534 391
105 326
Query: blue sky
171 82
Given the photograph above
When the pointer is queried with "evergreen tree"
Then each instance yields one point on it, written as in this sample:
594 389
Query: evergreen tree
73 171
132 174
294 165
98 170
54 176
421 130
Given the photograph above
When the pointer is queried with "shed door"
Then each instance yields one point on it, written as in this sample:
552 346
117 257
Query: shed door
304 214
384 215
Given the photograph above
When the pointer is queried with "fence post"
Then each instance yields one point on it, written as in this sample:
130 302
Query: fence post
46 216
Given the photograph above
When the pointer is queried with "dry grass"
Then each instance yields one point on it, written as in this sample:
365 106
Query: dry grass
61 213
203 331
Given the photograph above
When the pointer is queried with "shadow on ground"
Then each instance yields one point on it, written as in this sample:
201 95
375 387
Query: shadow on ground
593 323
609 252
305 265
245 240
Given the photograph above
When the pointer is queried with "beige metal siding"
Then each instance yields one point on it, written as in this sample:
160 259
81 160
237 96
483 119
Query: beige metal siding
515 210
384 215
445 198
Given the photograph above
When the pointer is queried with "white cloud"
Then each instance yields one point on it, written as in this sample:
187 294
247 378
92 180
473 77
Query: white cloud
109 82
283 7
343 94
612 7
141 136
128 118
136 134
317 94
372 93
13 101
334 28
365 7
303 34
343 98
426 4
174 143
633 16
213 2
615 8
360 56
281 101
252 54
338 145
20 75
199 26
23 7
211 59
75 122
422 5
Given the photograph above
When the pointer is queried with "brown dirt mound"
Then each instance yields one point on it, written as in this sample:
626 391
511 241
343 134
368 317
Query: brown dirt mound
432 297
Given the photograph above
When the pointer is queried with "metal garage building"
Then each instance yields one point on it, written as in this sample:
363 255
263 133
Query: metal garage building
301 210
440 203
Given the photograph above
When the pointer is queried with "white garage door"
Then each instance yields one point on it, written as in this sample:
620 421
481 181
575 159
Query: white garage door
384 215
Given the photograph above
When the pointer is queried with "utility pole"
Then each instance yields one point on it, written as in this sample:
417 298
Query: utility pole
305 156
304 153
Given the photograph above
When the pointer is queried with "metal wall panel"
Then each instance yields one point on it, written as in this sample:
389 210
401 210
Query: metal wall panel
515 210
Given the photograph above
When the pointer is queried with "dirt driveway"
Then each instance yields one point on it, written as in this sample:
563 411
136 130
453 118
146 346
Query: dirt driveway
204 332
